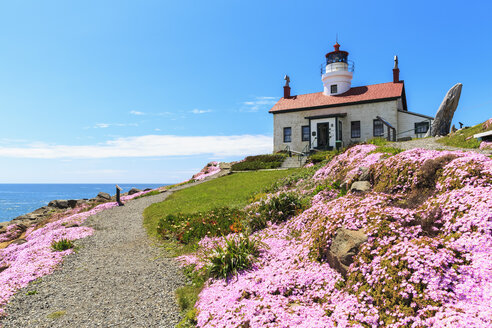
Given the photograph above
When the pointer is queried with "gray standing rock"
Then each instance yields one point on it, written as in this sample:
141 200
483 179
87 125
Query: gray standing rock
345 245
133 191
360 186
444 115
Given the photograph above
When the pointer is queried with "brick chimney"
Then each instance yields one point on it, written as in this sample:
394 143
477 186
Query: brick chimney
286 87
396 71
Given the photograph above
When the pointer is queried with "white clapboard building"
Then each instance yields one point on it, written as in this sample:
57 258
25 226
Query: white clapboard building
342 114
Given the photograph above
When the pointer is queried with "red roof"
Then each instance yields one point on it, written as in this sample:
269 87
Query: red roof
366 93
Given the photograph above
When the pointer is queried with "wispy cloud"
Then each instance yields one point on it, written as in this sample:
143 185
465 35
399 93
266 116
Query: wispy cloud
107 125
259 103
201 111
135 112
149 146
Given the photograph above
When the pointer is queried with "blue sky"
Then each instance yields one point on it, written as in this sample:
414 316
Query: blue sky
150 91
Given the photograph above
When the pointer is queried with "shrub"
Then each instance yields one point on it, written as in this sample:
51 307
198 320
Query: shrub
62 245
188 228
255 165
278 208
266 158
387 150
236 255
321 156
378 141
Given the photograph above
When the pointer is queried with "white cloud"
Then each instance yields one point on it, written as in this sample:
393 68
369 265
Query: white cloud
149 146
201 111
134 112
107 125
259 103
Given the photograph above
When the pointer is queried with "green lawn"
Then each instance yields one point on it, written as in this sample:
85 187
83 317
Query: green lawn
232 190
458 139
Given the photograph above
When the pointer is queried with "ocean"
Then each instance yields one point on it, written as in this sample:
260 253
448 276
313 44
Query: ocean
18 199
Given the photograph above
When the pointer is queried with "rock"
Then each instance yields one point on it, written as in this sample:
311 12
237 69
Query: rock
103 195
73 225
147 189
360 186
345 245
133 191
72 203
444 115
364 173
59 203
19 241
3 267
487 124
21 227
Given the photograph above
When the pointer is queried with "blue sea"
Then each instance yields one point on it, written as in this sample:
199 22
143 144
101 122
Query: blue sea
18 199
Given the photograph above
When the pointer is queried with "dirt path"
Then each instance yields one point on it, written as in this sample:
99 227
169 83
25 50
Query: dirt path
118 278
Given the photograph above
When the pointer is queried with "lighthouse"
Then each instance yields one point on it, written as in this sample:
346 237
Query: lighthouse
337 78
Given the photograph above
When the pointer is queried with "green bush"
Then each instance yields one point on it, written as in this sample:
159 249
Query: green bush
321 156
237 254
188 228
266 158
387 150
255 165
277 209
62 245
378 141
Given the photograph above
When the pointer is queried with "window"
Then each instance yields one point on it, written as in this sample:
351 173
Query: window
305 133
421 127
334 88
355 129
340 130
378 128
287 134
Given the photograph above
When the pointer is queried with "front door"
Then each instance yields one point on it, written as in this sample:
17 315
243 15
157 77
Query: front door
323 135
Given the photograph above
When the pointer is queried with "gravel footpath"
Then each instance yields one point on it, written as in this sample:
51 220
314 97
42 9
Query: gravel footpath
431 143
117 278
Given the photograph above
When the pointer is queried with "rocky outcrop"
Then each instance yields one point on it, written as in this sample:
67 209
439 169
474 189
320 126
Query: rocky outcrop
444 115
59 203
103 196
134 191
344 247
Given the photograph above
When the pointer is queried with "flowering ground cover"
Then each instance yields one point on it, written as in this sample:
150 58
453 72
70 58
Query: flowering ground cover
34 259
427 261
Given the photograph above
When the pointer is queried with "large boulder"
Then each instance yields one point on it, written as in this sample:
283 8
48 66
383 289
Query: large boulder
59 203
103 196
444 115
134 191
360 186
345 245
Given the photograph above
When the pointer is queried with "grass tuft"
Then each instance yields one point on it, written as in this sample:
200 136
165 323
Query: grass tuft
56 314
62 245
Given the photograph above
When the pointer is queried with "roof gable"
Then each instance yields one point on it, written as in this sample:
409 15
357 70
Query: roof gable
369 93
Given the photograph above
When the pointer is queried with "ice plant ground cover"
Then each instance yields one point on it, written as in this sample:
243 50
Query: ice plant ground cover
427 261
36 258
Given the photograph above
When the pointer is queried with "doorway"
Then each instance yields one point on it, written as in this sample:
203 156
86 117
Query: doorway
323 135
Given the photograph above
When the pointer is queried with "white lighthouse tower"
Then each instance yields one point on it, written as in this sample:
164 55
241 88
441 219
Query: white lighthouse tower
339 71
